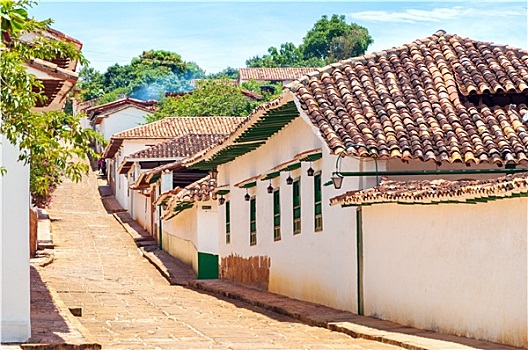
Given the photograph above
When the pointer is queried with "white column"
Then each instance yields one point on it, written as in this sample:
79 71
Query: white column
166 181
14 247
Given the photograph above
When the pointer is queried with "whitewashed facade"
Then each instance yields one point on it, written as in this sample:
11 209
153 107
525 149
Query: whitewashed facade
118 121
303 265
15 323
191 236
453 268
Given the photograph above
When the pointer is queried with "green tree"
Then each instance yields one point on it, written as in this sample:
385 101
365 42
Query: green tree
328 41
210 98
148 76
49 142
228 73
333 39
90 83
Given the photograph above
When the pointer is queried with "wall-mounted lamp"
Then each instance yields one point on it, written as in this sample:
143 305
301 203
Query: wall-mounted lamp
221 200
213 173
310 170
270 188
289 179
337 180
247 197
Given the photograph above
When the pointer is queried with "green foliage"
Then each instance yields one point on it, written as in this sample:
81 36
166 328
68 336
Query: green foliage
210 98
256 86
228 73
334 39
90 83
288 55
148 76
328 41
13 17
49 142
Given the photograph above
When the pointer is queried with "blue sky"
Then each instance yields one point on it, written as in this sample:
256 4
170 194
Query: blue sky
220 34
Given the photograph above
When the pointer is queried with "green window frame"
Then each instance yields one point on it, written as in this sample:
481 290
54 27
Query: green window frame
253 221
318 203
296 190
227 222
276 216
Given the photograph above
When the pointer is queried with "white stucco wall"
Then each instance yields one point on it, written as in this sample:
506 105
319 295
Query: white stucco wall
193 230
313 266
14 247
122 120
141 209
207 227
453 268
129 146
180 236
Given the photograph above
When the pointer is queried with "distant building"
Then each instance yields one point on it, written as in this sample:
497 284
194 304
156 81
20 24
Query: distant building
273 75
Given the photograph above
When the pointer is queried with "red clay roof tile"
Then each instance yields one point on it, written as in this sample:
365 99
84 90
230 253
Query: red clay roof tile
169 128
421 101
269 74
182 146
436 191
179 126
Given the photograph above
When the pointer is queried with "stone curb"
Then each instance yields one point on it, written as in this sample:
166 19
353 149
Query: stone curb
354 330
161 268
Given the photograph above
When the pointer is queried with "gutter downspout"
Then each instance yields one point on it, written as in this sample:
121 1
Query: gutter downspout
359 256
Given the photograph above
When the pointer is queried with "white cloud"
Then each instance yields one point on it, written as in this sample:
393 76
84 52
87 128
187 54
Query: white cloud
432 15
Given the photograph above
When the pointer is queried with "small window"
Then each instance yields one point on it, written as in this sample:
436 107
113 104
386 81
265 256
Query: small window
227 222
318 208
276 216
253 221
296 206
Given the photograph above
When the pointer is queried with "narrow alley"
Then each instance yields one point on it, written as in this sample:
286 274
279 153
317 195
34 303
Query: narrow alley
126 304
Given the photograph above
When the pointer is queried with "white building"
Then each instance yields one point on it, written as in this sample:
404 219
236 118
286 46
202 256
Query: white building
58 77
128 142
454 254
120 115
149 160
189 224
440 107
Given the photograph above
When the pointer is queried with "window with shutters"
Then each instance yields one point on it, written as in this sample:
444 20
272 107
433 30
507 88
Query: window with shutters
253 221
296 206
318 207
227 222
276 216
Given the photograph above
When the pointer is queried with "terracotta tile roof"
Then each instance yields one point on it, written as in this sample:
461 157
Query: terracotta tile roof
269 74
115 106
179 147
438 191
179 200
178 126
182 146
169 128
436 99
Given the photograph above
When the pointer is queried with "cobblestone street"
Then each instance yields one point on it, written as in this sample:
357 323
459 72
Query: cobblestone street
126 304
